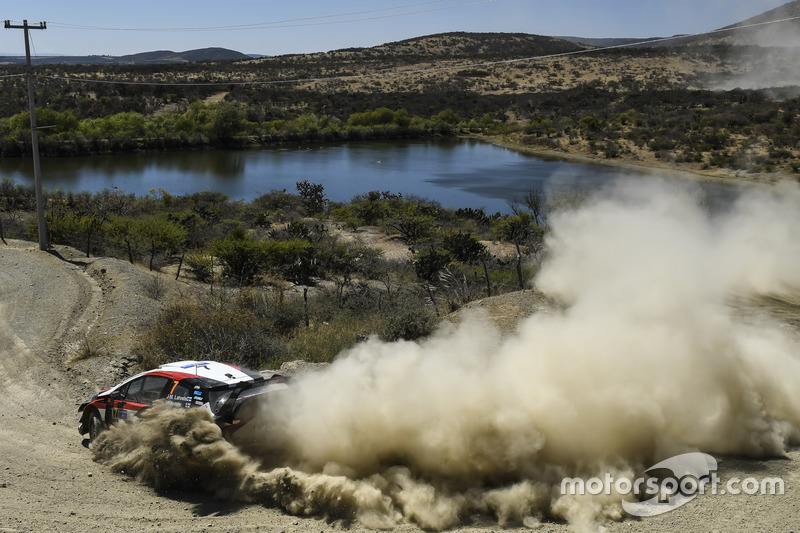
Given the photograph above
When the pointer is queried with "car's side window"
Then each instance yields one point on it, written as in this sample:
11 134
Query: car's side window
147 390
123 391
180 393
132 390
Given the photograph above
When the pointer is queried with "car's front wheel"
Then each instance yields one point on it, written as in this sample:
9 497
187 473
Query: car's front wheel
96 426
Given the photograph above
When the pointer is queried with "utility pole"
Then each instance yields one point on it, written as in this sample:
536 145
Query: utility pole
37 178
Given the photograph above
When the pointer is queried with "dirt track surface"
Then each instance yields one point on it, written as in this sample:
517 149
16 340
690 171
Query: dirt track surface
49 482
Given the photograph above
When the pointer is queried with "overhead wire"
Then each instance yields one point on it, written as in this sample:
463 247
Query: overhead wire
33 46
460 66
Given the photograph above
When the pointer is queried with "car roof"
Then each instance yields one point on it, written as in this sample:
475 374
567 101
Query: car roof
222 372
211 372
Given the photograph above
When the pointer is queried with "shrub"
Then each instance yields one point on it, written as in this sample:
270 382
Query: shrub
155 287
409 323
283 314
192 332
90 347
242 258
200 266
323 341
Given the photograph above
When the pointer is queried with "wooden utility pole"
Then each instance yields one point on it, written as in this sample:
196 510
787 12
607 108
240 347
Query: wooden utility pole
37 178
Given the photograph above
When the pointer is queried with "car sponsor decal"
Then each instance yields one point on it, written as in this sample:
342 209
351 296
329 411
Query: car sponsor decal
177 398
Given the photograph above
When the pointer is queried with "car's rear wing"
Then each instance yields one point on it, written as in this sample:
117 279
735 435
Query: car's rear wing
225 402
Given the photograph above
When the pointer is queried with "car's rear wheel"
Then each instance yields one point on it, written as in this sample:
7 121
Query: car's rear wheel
96 425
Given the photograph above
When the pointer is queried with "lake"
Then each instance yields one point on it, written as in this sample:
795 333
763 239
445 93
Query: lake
456 173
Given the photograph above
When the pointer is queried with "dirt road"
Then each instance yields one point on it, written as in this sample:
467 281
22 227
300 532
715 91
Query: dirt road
49 482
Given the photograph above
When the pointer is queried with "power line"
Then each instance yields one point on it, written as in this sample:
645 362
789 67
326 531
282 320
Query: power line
350 77
289 23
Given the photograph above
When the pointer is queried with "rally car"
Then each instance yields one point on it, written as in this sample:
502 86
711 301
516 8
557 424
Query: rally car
228 392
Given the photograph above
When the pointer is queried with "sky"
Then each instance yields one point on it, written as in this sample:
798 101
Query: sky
81 27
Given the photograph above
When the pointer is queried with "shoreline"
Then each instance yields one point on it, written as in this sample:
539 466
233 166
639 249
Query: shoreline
732 177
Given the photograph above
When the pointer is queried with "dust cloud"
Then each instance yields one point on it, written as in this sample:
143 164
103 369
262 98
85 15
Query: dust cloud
646 355
763 58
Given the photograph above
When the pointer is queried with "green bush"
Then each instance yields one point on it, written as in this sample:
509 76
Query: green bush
232 335
409 323
323 341
200 266
283 313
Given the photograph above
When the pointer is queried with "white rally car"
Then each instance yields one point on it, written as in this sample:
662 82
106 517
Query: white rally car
228 392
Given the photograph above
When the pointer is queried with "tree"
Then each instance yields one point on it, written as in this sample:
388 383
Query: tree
467 249
428 264
161 234
122 230
519 229
90 224
371 207
227 122
94 211
536 201
300 264
63 225
312 196
192 223
343 260
412 223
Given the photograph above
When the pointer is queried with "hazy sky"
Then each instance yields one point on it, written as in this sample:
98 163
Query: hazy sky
280 27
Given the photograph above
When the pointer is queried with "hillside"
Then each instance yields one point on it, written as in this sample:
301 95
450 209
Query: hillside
612 41
754 31
465 45
788 10
157 57
189 56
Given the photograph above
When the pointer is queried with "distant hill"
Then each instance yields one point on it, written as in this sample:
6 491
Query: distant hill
469 45
157 57
751 32
789 10
612 41
782 34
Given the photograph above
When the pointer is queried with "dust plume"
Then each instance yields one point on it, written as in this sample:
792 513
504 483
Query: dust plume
644 356
762 57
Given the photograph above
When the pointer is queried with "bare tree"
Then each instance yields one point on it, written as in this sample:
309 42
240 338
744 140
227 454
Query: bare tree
536 201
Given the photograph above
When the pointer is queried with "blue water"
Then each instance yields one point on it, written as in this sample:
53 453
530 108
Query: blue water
456 173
